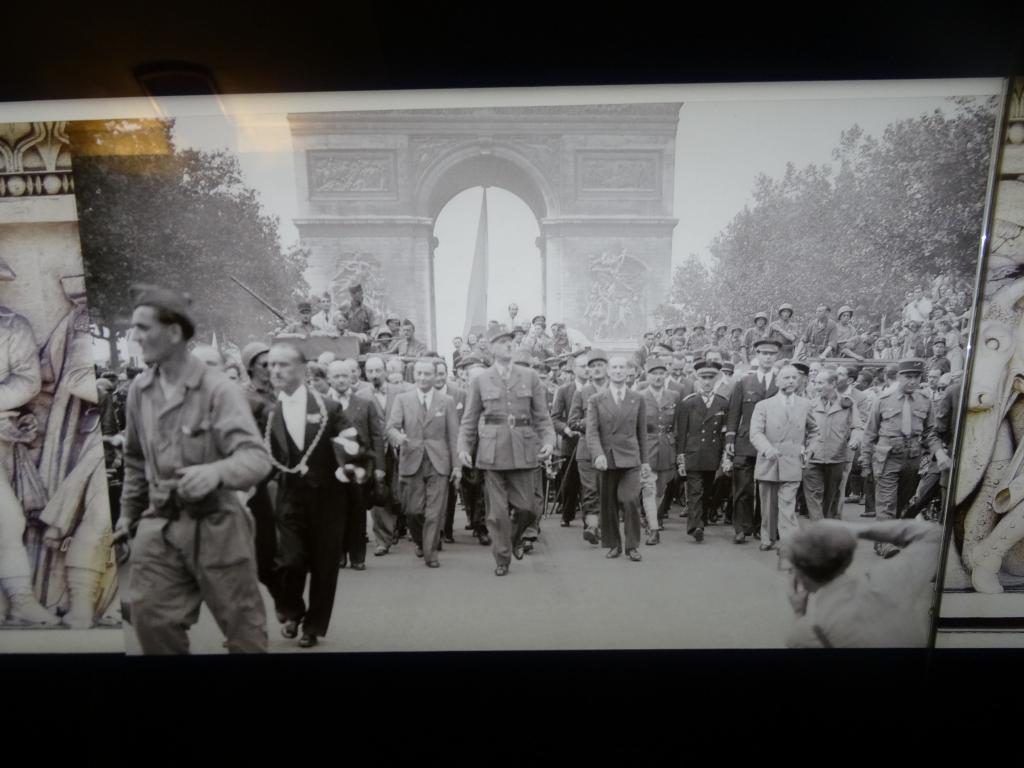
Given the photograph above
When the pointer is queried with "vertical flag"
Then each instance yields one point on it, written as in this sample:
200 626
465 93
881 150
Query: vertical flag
476 299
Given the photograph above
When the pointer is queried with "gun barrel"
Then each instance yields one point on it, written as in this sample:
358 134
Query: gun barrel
259 298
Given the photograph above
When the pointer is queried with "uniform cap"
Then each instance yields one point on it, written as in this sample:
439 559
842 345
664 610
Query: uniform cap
912 365
539 319
728 366
522 358
251 351
822 550
804 368
654 363
467 360
707 367
766 343
305 306
597 354
178 304
498 333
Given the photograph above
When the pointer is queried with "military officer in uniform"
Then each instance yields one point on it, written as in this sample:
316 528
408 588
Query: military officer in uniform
590 500
507 424
898 428
190 444
661 403
700 425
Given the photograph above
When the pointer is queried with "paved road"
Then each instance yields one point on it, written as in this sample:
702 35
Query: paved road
563 596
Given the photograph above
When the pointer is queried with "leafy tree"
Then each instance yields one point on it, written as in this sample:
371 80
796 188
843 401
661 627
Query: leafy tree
887 215
183 219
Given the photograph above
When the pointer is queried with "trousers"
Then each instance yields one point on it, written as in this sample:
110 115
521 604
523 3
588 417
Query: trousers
778 505
620 489
653 494
353 526
508 488
700 498
569 487
743 491
823 490
895 485
177 565
590 499
424 495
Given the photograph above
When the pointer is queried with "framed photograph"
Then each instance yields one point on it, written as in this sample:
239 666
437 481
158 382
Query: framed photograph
728 246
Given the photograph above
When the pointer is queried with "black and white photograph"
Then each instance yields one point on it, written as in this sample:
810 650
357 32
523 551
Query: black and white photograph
58 563
536 369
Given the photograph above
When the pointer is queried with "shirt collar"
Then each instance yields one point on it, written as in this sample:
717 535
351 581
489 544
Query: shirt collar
298 396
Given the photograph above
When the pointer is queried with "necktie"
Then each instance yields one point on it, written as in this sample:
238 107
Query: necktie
423 402
907 423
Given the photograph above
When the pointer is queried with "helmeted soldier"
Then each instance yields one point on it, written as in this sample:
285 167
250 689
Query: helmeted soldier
698 339
754 334
507 423
783 333
190 444
719 337
846 333
898 429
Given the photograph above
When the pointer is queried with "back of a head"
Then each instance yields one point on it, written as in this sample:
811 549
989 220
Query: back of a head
822 551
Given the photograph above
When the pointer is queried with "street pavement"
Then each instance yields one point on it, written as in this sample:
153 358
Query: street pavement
565 595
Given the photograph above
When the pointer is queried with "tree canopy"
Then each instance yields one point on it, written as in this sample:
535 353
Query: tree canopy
884 217
183 219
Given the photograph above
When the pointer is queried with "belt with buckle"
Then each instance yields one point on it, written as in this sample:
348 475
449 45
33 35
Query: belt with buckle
660 431
512 421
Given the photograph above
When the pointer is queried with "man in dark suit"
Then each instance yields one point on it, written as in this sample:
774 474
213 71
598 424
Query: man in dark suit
382 396
359 411
747 392
617 441
442 385
569 478
424 425
700 443
311 501
597 364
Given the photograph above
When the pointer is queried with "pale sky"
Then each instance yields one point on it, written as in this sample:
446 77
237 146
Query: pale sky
721 147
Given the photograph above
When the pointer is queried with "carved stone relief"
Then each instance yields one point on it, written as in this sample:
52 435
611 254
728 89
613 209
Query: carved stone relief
351 173
34 160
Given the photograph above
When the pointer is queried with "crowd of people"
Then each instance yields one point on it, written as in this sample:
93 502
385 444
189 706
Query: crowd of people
751 426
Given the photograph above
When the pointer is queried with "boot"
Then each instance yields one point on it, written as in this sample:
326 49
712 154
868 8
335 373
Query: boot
83 586
25 608
985 575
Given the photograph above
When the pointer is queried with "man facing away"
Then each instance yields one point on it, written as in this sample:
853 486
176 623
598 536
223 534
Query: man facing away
508 425
616 439
424 425
190 444
780 429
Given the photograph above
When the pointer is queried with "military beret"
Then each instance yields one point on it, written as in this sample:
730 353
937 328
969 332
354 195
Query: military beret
495 334
305 306
804 368
705 367
467 360
355 288
912 365
765 343
597 354
251 351
168 300
654 363
822 550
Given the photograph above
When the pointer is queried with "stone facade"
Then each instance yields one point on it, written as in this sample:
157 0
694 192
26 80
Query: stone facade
599 178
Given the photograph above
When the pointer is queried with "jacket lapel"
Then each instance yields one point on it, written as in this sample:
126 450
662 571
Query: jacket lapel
278 431
311 427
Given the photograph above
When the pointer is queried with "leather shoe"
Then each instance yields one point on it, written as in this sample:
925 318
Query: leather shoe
449 539
380 551
433 564
613 552
528 546
358 566
739 538
485 540
307 641
518 551
419 551
290 629
344 561
653 538
468 527
590 536
868 514
634 556
766 547
501 570
698 535
564 524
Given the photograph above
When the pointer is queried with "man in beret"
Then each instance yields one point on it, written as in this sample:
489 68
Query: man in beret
590 501
897 431
887 606
190 444
507 427
304 326
700 426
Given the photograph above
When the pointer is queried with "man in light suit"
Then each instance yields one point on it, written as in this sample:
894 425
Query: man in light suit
360 413
780 429
617 441
423 424
507 413
386 530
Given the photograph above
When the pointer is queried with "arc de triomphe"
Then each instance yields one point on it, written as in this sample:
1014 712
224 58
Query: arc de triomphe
599 179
